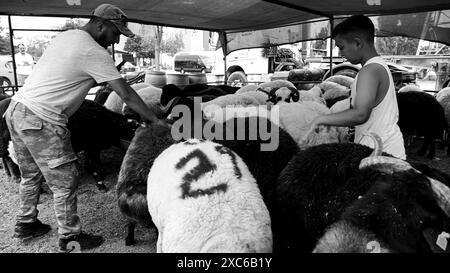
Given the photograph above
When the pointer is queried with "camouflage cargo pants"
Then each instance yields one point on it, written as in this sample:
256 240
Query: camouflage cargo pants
44 149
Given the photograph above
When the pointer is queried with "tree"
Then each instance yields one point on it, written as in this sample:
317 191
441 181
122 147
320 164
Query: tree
158 37
173 44
5 44
142 48
37 45
397 45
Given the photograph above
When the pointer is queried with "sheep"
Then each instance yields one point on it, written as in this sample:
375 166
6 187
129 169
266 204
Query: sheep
260 97
265 166
322 182
151 96
305 74
94 128
247 88
171 91
421 114
267 86
203 198
283 95
333 90
295 118
342 80
443 97
114 103
410 87
233 99
131 187
403 211
312 95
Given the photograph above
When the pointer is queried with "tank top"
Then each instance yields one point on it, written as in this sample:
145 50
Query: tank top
383 119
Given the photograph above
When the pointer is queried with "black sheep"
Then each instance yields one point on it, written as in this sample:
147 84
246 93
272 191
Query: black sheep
318 185
399 213
94 128
265 166
421 114
171 91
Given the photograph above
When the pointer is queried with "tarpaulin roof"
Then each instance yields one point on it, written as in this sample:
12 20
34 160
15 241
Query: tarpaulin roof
255 23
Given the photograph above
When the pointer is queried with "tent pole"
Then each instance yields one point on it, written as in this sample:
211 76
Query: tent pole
12 54
331 45
223 38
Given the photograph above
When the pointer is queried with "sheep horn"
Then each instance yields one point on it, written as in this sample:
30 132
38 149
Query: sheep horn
385 164
442 194
378 143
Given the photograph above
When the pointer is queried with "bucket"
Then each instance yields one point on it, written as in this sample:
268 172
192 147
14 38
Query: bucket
197 78
177 79
155 78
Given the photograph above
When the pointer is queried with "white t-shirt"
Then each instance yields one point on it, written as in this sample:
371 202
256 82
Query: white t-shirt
62 77
24 63
383 119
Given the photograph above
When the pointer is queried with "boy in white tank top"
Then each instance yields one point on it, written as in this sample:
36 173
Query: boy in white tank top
374 102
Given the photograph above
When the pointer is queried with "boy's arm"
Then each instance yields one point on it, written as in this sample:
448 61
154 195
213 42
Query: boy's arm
365 100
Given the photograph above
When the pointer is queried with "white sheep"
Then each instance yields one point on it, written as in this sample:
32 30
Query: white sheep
296 118
342 80
114 103
340 106
232 100
410 87
202 198
151 96
247 88
332 90
141 85
261 97
267 86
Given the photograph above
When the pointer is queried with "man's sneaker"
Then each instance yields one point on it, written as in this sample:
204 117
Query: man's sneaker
26 231
79 242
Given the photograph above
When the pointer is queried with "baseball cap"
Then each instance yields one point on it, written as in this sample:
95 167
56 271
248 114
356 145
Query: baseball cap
116 16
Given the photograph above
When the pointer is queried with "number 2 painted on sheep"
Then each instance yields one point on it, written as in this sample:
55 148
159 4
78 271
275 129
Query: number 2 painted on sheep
204 166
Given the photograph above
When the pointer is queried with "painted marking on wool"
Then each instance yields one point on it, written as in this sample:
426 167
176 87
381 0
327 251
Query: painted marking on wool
204 166
225 150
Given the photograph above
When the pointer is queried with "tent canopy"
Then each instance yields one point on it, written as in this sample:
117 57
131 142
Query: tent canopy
257 23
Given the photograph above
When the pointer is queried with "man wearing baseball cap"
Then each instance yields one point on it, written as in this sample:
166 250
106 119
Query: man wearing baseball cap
37 119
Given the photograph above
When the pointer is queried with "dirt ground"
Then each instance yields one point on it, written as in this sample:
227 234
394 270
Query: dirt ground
99 212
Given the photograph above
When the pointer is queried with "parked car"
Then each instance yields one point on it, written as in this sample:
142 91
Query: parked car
6 74
193 62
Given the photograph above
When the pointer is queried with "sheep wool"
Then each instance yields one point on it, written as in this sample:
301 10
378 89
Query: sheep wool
139 86
232 100
333 90
340 106
261 97
247 88
267 86
443 97
151 96
203 198
311 96
342 80
410 87
114 103
296 118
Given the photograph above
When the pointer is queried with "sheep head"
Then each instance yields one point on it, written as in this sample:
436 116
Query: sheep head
283 94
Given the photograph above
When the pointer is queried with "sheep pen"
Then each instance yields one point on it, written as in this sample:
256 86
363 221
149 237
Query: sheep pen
99 212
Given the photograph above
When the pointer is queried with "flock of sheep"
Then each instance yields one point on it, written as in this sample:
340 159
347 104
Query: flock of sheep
316 192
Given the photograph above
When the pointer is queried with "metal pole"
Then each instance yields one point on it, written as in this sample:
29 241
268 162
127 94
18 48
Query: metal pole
331 46
113 53
12 54
223 38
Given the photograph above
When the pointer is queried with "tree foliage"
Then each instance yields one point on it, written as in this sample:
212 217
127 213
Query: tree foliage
5 44
396 45
142 48
172 45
